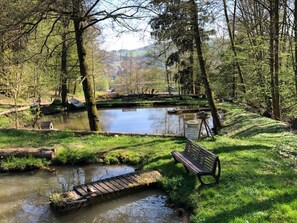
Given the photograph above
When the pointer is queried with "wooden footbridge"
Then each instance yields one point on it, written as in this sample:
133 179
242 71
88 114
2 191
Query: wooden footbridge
82 195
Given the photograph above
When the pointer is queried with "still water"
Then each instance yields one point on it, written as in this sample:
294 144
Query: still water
140 120
24 198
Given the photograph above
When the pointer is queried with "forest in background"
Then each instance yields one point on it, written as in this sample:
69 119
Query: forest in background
243 51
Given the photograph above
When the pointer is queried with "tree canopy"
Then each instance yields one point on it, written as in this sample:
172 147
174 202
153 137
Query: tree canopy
236 50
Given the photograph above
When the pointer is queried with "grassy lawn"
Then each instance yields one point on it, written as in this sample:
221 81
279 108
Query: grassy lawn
258 183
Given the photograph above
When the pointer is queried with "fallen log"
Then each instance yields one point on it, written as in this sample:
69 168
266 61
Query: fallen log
47 153
7 112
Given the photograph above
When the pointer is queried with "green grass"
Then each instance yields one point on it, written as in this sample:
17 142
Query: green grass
258 183
22 164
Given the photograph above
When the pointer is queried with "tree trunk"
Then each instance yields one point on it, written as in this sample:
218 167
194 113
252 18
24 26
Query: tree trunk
277 113
64 55
231 36
86 79
192 74
295 42
214 112
64 73
167 71
274 61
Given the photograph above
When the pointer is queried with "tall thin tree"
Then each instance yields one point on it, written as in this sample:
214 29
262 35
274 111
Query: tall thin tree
214 112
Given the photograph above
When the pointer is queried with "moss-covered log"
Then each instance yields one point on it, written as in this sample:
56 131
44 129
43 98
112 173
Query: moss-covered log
47 153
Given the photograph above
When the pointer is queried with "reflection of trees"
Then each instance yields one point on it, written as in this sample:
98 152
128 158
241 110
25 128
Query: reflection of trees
162 123
69 177
70 120
106 118
149 209
145 120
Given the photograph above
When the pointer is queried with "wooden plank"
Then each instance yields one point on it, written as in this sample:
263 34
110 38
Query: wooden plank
92 190
123 181
133 178
105 187
85 188
80 191
118 185
100 189
126 181
114 188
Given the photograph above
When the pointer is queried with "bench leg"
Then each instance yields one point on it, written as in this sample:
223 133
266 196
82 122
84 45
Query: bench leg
175 160
186 168
203 183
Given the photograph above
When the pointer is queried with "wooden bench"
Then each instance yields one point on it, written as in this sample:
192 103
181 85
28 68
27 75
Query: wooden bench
199 161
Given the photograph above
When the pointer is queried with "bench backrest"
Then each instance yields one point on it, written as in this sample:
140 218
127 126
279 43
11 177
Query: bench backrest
201 155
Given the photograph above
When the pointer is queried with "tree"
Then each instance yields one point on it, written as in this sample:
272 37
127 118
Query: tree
78 14
274 56
295 43
172 25
64 54
232 42
208 91
84 16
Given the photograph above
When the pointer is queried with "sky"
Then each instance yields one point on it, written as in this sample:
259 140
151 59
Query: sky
128 41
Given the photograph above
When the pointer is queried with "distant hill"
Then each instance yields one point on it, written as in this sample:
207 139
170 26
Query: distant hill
136 52
115 59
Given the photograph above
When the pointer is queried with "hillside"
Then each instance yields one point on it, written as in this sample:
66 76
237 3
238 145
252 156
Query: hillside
116 59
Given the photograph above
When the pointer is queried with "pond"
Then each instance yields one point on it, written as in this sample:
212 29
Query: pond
126 120
24 198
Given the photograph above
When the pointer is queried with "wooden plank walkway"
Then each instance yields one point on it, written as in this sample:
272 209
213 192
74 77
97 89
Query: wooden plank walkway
81 195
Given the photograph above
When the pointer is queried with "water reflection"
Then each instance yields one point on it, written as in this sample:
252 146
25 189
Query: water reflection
81 175
141 120
24 198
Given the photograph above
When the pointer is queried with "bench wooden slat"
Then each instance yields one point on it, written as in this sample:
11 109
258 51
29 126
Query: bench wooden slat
199 161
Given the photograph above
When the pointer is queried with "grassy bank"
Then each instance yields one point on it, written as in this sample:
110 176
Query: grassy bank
258 182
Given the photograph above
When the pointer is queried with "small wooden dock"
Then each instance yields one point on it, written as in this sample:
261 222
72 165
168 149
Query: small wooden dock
82 195
187 110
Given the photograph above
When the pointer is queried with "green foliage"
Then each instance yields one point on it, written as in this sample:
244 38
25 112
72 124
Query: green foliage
22 164
56 198
75 156
4 121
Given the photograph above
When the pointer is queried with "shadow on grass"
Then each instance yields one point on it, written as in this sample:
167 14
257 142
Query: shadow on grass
159 158
146 144
255 130
255 123
177 183
231 149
